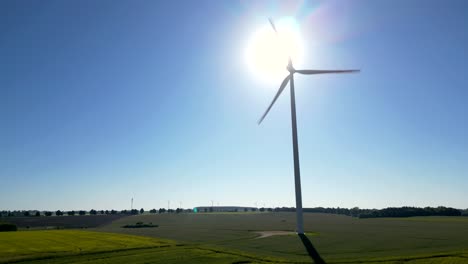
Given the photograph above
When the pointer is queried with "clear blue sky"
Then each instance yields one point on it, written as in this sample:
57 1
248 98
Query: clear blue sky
101 101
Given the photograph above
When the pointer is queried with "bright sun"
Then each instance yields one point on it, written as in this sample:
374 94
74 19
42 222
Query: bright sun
267 53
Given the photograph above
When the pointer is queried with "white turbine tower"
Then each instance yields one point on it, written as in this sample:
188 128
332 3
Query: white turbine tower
297 173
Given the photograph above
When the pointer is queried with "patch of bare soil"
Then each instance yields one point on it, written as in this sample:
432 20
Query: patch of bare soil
263 234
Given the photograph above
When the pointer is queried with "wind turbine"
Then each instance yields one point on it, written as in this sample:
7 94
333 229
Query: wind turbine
297 174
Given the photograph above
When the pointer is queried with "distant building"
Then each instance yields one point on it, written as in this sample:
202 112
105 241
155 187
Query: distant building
209 209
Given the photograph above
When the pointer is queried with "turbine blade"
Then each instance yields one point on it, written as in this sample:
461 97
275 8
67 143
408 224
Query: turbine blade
325 71
280 90
276 31
272 24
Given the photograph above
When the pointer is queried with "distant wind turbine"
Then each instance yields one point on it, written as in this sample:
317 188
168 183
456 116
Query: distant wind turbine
297 173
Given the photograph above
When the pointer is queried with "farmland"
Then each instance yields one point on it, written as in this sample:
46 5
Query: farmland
43 244
235 238
78 221
65 246
337 238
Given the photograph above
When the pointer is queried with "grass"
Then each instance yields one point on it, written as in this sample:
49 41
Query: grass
50 222
140 225
39 244
462 219
69 246
231 238
337 238
172 255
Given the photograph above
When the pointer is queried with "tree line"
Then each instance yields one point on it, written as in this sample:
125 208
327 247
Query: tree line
27 213
405 211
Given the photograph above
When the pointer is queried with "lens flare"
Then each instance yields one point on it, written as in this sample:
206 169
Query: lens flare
267 53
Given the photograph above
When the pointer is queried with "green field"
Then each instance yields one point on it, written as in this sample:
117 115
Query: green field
337 238
66 246
232 238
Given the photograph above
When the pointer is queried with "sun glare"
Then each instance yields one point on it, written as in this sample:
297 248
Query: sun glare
267 53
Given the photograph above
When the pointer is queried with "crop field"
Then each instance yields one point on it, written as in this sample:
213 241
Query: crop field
67 246
245 238
337 238
77 221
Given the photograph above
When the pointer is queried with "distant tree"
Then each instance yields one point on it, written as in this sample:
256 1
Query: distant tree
262 209
162 210
142 211
153 211
58 213
81 212
107 212
409 211
269 209
124 212
179 210
92 212
134 212
464 212
354 211
113 211
47 213
170 211
26 213
37 213
102 212
70 213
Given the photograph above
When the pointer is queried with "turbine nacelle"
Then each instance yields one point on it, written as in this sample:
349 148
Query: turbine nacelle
290 67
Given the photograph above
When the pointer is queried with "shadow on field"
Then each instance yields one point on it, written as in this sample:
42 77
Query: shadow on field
311 250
